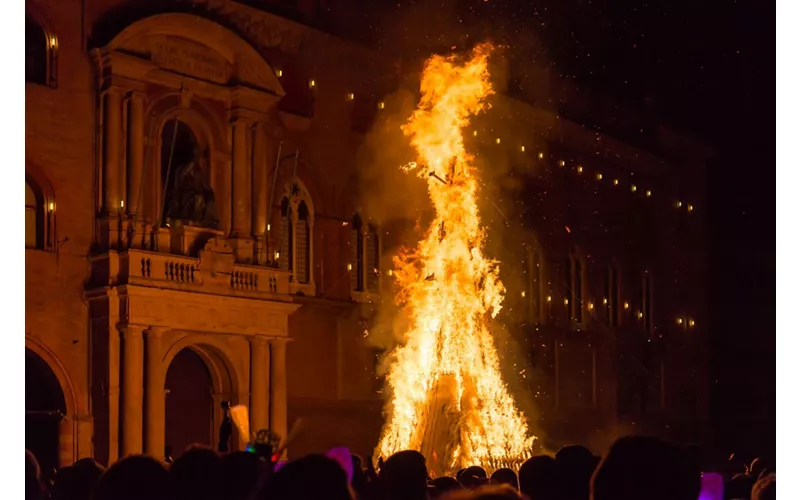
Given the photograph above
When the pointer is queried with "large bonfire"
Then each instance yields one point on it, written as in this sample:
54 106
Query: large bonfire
447 398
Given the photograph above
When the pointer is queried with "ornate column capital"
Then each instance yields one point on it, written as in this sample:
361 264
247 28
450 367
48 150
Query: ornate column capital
258 340
156 332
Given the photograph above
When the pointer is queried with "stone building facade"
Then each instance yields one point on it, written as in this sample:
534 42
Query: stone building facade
193 234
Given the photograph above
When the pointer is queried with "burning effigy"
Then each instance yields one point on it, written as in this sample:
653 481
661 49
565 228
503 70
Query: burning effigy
446 395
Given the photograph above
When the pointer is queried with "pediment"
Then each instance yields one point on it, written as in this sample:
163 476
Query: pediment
197 48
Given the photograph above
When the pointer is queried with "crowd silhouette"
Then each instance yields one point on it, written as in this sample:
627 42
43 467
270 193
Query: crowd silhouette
634 468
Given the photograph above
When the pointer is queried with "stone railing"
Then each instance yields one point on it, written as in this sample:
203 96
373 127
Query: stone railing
144 268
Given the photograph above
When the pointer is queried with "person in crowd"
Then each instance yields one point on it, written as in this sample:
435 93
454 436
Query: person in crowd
643 467
404 476
538 478
240 473
486 492
575 465
137 477
473 477
78 481
505 476
764 489
196 474
443 486
313 477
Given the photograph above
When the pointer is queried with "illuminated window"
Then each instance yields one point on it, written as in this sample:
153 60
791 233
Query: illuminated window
34 218
302 248
286 247
40 54
647 302
612 296
357 255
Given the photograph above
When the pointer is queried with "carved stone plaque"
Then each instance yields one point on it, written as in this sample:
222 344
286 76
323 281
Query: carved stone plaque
189 58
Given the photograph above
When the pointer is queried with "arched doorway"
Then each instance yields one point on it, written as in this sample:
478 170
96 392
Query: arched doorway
45 406
189 402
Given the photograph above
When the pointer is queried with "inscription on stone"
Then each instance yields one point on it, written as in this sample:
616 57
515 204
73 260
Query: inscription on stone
188 58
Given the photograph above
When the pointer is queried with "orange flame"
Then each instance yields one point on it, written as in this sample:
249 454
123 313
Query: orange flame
447 397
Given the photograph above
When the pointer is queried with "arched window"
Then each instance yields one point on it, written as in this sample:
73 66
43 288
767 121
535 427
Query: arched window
284 256
303 245
612 296
40 54
535 286
357 255
34 217
646 309
373 259
296 250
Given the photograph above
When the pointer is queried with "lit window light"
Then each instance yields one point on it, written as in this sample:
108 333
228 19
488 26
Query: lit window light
523 294
312 83
381 105
474 133
549 298
541 155
633 188
390 272
680 321
626 305
605 301
53 42
522 148
562 163
640 314
566 302
648 193
616 182
679 204
690 208
691 323
599 176
269 226
277 255
52 206
590 306
349 267
498 140
351 96
121 203
279 73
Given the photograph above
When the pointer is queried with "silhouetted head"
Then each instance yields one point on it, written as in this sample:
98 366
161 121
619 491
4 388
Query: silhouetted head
538 478
473 477
505 476
404 475
764 489
196 474
240 473
78 481
134 478
488 492
313 477
644 467
575 467
443 485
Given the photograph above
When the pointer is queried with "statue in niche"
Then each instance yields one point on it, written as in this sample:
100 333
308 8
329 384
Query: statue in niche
189 196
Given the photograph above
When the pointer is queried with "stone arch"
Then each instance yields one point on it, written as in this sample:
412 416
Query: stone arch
48 356
45 72
227 383
248 66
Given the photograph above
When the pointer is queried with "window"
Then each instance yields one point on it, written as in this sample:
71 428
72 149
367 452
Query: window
357 255
535 286
40 54
296 223
647 302
373 258
612 296
34 220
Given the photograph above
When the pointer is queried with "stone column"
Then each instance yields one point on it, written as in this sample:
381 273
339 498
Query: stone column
132 385
278 418
66 442
243 242
154 394
112 128
135 154
259 383
260 191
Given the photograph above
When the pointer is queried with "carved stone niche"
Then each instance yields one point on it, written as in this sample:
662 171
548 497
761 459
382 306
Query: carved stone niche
190 240
216 263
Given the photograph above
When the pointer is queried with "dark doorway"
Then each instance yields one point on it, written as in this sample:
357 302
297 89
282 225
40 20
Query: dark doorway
189 403
44 408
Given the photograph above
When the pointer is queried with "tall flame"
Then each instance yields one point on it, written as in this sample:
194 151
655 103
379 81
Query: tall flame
447 397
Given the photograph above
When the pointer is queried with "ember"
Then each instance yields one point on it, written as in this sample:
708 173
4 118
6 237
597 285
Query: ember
448 399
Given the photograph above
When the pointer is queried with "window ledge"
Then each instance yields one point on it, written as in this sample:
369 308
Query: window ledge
308 289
